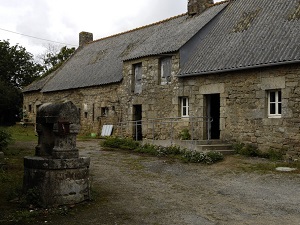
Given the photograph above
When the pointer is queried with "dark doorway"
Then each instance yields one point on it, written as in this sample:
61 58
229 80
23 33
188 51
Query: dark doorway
137 126
213 114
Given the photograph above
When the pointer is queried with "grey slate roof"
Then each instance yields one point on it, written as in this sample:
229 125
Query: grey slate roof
248 34
37 85
100 62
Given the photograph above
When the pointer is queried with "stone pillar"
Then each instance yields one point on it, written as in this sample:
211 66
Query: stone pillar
56 173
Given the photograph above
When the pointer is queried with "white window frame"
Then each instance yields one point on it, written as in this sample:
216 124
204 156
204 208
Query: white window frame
277 103
184 106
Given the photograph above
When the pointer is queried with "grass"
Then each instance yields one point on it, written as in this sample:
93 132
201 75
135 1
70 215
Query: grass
20 133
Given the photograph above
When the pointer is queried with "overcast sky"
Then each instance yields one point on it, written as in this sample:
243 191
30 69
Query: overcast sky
62 20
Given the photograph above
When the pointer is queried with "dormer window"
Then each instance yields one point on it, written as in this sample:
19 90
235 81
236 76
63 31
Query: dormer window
137 78
165 70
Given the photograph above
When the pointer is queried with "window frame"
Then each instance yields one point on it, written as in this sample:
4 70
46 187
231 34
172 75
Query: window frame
165 68
277 102
137 78
184 107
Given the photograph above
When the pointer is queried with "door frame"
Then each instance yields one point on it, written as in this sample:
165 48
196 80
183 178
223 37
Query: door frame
212 114
137 122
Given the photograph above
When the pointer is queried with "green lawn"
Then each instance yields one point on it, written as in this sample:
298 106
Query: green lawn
20 133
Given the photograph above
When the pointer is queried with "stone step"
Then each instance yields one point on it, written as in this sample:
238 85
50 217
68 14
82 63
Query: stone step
210 142
214 147
217 146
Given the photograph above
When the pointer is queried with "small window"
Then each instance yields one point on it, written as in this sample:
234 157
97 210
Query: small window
29 108
137 78
165 70
85 115
184 106
274 104
104 111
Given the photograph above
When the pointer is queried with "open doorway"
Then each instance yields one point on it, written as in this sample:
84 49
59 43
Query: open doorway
212 111
137 126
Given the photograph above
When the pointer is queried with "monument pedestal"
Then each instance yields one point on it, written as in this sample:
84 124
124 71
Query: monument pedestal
57 181
56 174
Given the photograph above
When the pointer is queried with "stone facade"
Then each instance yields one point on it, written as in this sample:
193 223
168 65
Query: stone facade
98 105
243 106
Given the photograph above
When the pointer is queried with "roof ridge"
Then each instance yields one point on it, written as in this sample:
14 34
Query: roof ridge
153 24
140 28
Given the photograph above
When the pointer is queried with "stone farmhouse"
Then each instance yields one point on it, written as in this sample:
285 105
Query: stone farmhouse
228 71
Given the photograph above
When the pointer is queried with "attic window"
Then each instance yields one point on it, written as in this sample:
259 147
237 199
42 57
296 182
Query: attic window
246 21
137 78
165 70
295 15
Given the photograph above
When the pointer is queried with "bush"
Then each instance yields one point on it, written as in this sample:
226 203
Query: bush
253 151
274 154
170 151
5 138
246 149
200 157
123 143
185 135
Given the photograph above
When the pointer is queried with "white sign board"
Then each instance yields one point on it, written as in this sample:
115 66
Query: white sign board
106 130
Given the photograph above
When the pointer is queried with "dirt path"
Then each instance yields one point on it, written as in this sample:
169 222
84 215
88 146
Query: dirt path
136 190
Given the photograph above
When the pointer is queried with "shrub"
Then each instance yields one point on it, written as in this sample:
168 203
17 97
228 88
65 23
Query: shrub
147 148
253 151
274 154
5 138
185 135
170 151
215 156
246 149
201 157
123 143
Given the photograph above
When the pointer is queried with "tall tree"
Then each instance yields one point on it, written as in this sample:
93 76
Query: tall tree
54 57
17 69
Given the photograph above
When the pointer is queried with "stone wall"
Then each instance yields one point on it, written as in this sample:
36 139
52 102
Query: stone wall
244 106
158 100
98 105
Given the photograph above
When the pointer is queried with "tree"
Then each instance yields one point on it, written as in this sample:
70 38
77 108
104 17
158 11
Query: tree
17 69
54 58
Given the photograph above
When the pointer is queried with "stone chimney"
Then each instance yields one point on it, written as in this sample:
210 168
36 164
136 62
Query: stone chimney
85 37
198 6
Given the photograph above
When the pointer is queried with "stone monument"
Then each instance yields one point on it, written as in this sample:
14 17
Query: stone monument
56 173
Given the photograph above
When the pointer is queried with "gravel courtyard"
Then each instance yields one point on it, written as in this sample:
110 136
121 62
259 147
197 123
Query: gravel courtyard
134 189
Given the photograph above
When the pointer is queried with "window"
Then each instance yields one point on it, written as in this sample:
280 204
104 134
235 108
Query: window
29 108
137 78
165 70
104 111
274 104
85 115
184 105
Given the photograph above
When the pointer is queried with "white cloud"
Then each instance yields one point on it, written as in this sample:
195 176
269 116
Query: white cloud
62 20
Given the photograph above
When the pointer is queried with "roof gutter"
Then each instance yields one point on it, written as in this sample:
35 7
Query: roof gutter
239 69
